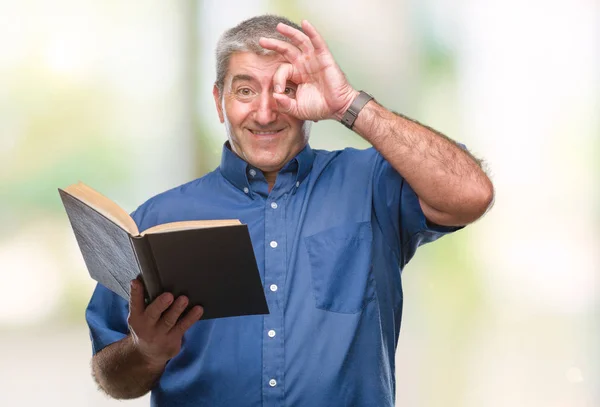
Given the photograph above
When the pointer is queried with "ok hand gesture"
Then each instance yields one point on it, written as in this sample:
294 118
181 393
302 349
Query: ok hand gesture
323 91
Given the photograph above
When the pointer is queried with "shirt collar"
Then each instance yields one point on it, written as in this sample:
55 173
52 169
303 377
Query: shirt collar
235 170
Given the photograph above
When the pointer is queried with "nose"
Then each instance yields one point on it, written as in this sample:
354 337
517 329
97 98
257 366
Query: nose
266 109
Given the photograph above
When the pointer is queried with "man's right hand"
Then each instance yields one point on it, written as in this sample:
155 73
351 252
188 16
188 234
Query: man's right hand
156 329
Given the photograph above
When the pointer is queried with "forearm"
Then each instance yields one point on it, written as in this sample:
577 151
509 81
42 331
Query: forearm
123 372
446 178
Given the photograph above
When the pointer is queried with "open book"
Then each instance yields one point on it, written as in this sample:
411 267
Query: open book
210 261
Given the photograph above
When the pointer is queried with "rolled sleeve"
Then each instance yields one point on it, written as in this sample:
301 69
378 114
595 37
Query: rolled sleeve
106 316
399 213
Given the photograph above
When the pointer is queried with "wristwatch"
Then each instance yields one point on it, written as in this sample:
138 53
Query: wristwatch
355 107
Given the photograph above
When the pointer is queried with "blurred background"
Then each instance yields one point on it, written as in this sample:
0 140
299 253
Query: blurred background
118 95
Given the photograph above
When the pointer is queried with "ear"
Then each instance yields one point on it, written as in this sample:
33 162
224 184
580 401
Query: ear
217 97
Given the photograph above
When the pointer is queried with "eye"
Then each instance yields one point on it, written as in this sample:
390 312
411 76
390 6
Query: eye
244 91
291 92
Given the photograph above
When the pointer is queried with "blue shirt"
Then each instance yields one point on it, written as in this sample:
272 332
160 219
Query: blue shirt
330 240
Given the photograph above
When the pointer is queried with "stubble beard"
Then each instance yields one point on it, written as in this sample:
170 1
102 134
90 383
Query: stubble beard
305 130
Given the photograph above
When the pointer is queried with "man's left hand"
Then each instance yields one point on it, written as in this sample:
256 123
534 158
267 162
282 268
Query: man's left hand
322 89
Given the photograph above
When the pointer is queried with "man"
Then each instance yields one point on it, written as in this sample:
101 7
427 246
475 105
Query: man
331 233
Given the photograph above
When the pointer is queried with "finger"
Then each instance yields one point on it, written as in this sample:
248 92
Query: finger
170 317
136 298
188 320
287 50
298 38
315 38
286 104
158 306
282 75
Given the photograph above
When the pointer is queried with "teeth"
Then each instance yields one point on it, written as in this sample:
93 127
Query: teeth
265 132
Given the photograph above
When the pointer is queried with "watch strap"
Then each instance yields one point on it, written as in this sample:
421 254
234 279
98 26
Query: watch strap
355 107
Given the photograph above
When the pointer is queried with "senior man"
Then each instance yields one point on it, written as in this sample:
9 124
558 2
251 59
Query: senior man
331 233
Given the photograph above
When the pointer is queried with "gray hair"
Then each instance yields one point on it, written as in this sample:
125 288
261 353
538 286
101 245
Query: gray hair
244 38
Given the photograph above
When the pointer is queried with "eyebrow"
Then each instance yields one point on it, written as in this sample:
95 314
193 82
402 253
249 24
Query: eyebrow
249 78
242 77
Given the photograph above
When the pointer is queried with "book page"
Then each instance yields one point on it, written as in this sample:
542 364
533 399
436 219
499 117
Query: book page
190 224
103 205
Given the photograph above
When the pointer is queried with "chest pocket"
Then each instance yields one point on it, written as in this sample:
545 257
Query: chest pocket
340 262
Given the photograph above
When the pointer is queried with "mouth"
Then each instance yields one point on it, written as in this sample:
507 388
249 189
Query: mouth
260 133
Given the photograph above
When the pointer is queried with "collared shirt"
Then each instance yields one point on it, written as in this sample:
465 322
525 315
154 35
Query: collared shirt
330 239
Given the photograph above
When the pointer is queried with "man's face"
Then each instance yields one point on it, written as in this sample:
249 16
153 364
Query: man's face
257 131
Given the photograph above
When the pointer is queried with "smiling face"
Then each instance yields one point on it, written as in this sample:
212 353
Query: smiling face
257 131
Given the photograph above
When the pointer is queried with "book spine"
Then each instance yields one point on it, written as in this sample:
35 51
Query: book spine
147 264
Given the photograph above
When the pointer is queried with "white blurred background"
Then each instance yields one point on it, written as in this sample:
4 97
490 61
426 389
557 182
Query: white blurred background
118 95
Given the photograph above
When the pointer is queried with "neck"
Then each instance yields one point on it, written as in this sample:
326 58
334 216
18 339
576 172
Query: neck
270 177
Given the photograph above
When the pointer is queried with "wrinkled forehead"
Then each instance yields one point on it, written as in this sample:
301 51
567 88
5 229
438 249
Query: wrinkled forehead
252 67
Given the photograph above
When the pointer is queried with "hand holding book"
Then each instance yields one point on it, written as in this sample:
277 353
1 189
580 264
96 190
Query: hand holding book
157 328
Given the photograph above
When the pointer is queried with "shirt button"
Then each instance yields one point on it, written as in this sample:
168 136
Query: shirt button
272 382
297 184
271 333
273 287
274 205
252 172
246 190
273 244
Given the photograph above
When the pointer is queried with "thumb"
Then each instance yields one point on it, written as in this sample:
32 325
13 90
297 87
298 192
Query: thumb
286 104
136 298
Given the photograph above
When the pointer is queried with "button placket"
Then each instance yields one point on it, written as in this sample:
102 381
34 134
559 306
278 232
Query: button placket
275 263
